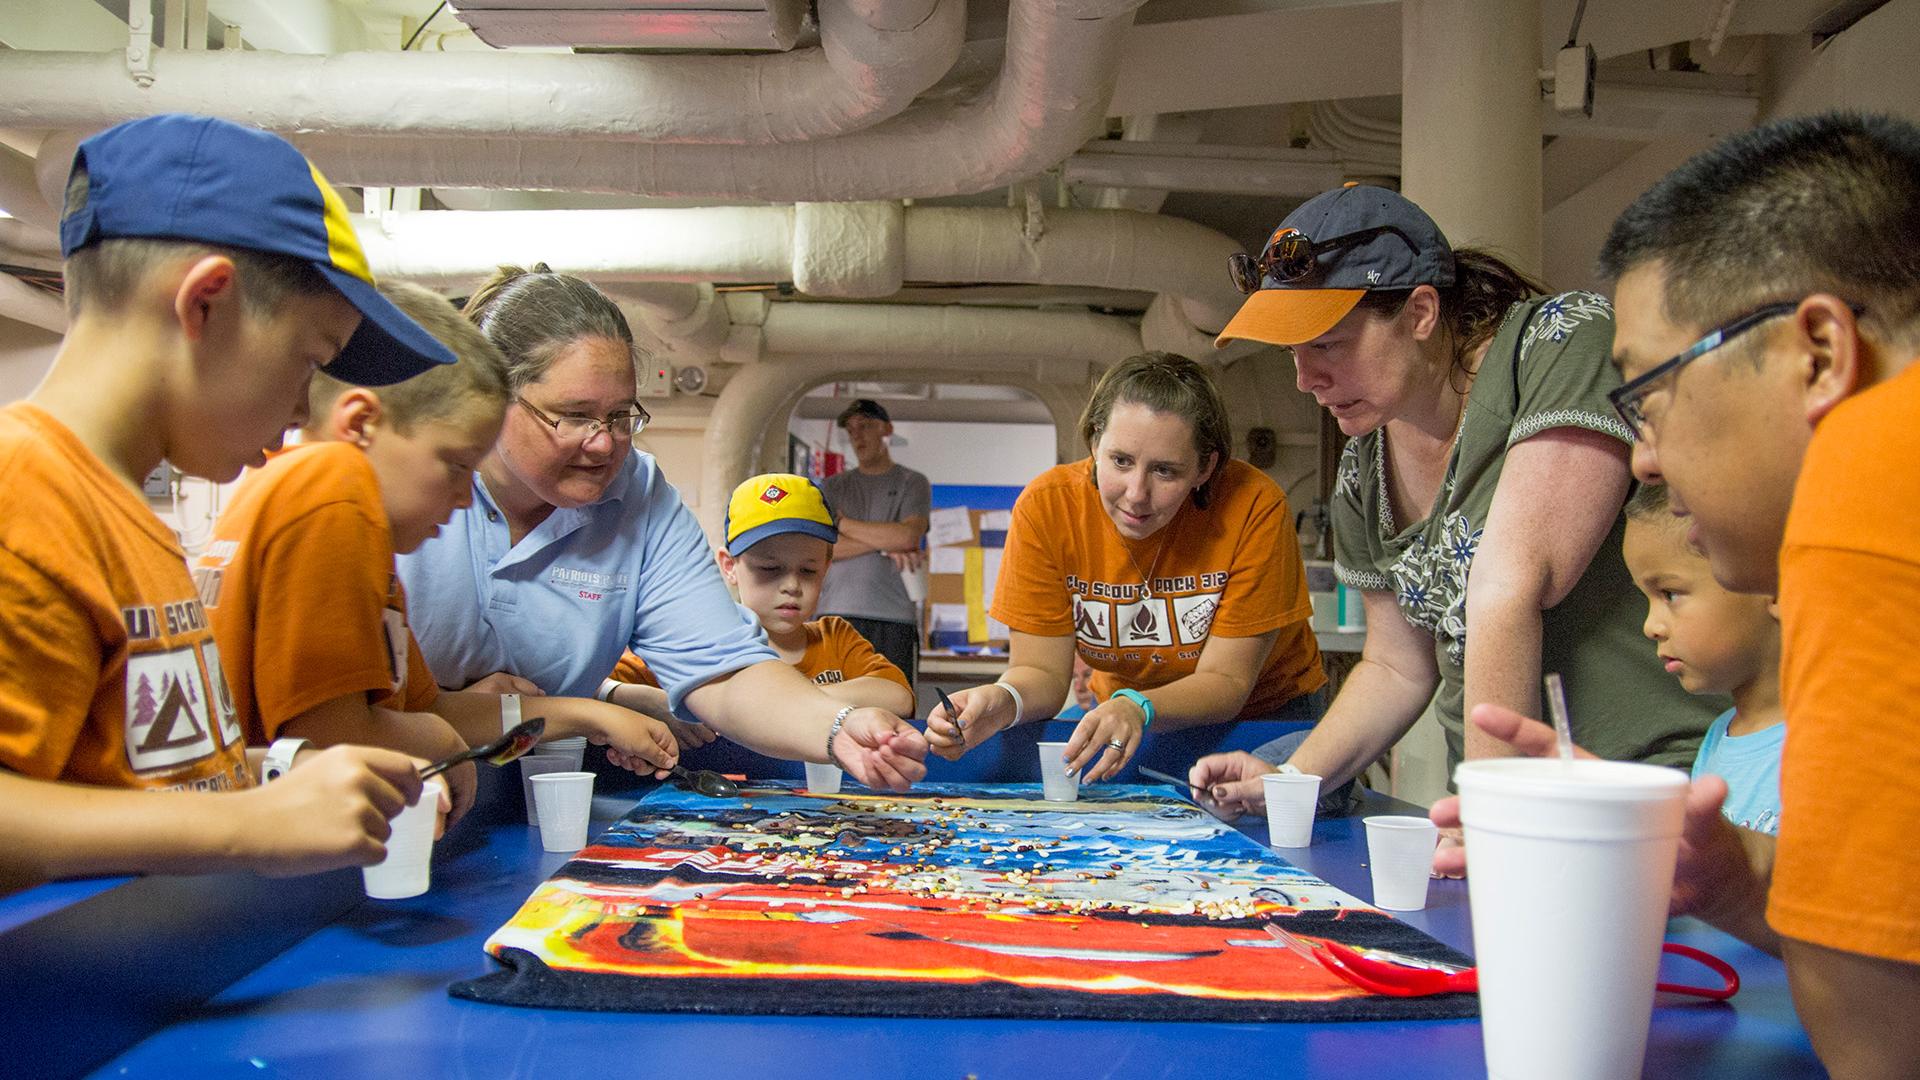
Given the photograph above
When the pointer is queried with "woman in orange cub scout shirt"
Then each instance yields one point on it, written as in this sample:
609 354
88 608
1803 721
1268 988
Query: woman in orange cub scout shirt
1170 568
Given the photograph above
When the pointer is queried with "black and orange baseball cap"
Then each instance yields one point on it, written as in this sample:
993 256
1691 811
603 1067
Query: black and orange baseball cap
1329 253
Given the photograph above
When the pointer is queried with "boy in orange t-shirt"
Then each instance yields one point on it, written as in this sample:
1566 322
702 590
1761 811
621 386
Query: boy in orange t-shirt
299 576
780 536
209 270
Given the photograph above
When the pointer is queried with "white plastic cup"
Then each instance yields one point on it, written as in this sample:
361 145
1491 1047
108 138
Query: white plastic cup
1400 857
823 779
1056 783
1570 864
407 869
574 749
1291 801
566 803
916 582
535 764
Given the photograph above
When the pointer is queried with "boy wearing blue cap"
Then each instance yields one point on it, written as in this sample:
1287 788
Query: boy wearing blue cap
210 270
780 537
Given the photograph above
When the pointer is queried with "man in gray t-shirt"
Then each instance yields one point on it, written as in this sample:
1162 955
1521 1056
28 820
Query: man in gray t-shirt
882 509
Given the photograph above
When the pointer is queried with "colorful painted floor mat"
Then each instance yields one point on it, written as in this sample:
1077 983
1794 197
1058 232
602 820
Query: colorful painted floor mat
975 900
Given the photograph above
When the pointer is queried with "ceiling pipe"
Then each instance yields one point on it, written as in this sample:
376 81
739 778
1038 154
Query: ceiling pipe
20 193
809 344
1220 170
861 74
838 250
22 302
1062 58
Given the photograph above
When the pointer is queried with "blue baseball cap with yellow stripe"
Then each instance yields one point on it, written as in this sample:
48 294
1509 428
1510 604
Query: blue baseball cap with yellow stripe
196 178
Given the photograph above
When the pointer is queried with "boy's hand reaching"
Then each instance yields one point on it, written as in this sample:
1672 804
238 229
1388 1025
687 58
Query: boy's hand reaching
330 811
881 750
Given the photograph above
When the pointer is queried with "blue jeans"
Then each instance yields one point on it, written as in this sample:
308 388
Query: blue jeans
1335 803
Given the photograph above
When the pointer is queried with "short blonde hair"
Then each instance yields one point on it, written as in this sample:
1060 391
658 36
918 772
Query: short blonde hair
478 377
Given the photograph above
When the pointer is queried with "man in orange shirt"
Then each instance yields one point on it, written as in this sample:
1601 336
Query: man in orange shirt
1172 569
299 577
1768 300
210 270
780 536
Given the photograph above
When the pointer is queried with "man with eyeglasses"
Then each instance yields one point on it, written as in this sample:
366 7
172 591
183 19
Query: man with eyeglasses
1768 307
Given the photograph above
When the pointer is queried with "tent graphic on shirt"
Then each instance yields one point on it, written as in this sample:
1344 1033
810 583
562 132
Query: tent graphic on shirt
1093 621
166 718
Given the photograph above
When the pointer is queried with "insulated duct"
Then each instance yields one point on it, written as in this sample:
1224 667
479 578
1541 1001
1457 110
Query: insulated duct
816 343
839 250
1050 97
861 74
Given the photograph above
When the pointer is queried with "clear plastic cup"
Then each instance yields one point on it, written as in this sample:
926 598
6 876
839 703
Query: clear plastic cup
533 765
1570 864
1056 783
407 869
1291 798
566 803
1400 857
823 779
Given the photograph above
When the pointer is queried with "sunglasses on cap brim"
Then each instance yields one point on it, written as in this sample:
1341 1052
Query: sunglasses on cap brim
1294 257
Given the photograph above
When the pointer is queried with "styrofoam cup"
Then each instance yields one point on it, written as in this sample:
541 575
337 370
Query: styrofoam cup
566 802
533 765
1400 856
573 748
1056 783
823 779
1570 864
407 869
1291 798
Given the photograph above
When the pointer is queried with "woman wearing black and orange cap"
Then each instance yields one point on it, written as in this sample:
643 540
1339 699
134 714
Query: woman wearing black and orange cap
1480 438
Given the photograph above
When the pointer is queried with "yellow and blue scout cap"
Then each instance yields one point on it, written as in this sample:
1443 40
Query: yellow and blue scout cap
775 503
195 178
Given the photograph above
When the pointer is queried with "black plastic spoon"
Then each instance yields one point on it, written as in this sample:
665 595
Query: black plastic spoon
517 741
706 782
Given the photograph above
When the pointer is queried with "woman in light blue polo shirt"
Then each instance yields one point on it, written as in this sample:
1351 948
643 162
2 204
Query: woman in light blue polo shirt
576 548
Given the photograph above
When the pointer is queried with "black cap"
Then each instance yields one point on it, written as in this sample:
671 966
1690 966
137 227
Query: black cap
1408 250
863 407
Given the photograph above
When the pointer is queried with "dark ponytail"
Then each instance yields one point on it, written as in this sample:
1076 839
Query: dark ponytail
531 315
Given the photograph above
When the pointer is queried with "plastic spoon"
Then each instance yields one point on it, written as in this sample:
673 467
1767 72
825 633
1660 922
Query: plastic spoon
706 782
519 739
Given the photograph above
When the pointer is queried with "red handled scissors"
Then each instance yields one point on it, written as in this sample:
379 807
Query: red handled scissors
1395 975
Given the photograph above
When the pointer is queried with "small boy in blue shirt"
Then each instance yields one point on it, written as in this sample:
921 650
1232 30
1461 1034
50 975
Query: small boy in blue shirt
1714 642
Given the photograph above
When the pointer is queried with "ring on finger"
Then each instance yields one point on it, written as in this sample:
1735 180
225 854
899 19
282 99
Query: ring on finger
1117 745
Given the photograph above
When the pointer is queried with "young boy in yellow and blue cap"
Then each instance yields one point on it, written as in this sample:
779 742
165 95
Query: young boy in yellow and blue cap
780 535
209 271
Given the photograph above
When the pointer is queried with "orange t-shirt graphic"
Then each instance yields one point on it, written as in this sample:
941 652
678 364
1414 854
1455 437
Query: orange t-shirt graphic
835 653
109 673
1231 569
299 582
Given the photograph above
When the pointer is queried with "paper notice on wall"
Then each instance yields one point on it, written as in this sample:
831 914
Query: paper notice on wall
947 560
1001 520
975 592
990 573
949 525
948 617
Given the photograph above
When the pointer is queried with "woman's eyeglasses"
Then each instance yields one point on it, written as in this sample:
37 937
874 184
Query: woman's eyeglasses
620 425
1293 256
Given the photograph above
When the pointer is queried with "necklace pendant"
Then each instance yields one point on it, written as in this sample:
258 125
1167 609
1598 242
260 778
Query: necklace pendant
1146 591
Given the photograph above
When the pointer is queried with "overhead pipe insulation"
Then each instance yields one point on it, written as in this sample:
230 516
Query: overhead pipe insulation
862 73
840 250
1062 58
808 344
